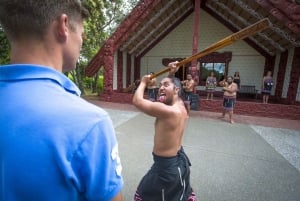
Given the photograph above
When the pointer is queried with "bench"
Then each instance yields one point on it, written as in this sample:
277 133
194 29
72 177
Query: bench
248 89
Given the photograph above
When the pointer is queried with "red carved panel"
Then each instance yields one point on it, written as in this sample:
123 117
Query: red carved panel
217 57
285 11
255 109
289 8
108 67
269 64
135 18
96 62
131 22
294 78
196 30
117 97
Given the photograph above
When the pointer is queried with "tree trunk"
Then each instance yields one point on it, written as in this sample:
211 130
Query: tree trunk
95 83
79 80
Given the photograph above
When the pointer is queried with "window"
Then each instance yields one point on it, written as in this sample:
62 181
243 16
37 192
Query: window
216 62
207 68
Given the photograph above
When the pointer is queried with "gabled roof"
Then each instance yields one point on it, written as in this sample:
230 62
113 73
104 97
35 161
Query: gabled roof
151 20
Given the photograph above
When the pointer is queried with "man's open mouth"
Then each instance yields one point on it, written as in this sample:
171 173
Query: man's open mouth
162 97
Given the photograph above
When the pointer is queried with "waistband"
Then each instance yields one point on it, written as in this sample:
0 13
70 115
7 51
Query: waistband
164 162
229 97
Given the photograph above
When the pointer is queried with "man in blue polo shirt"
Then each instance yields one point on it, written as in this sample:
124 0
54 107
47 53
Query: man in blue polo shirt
53 144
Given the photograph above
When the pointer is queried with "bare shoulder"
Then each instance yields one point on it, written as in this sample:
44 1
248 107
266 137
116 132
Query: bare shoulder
181 109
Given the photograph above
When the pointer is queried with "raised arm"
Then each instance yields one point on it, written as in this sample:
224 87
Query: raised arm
155 109
173 68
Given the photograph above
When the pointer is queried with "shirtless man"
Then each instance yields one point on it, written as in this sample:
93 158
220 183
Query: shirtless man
230 88
188 86
169 176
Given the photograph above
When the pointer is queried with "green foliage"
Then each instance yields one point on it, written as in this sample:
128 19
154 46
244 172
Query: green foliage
105 16
100 83
4 48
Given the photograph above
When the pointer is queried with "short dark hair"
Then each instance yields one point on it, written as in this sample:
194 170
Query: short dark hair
32 18
177 83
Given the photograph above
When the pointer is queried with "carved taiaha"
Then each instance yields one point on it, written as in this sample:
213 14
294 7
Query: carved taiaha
244 33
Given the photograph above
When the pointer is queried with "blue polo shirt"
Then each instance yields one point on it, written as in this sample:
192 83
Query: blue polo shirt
54 146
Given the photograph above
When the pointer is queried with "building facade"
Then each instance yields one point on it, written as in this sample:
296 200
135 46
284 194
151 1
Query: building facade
159 31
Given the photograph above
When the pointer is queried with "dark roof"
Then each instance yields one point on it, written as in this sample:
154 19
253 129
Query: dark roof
151 20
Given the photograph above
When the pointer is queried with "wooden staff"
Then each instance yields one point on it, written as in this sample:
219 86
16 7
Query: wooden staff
244 33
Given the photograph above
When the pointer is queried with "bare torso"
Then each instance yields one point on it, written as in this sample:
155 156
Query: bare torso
189 85
229 93
169 132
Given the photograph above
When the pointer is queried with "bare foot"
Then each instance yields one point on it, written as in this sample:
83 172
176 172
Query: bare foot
231 121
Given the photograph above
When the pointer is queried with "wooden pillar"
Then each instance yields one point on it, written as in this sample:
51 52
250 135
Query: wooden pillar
294 78
193 68
128 70
280 75
108 67
137 68
196 29
269 64
120 71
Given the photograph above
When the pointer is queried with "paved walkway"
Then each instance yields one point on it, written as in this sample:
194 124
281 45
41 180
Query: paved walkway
255 159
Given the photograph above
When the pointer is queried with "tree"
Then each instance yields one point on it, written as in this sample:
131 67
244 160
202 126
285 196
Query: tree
105 16
4 48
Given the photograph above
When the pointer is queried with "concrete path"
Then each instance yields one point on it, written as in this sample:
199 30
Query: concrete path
239 162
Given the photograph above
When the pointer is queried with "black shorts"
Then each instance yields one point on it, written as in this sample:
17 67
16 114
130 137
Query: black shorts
229 102
168 179
188 96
